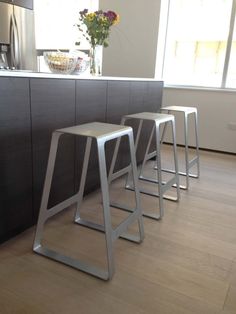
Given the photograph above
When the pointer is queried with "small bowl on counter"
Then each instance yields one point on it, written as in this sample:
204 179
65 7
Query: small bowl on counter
82 62
81 66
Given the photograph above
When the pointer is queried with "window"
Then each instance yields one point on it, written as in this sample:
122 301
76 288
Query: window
200 43
55 20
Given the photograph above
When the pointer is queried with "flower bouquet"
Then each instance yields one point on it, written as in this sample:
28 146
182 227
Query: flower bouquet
97 30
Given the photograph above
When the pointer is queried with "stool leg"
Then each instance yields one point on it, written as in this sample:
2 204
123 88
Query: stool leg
46 190
164 129
121 230
175 159
114 158
155 130
127 169
136 189
146 156
106 207
127 185
159 175
138 135
197 143
83 177
186 149
111 175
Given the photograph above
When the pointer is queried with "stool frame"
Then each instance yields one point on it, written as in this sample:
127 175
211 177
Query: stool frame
187 111
157 120
110 234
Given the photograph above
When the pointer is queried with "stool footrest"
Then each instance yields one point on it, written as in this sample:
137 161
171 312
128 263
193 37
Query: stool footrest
122 227
89 224
125 208
193 162
181 173
166 185
59 207
151 155
119 231
130 237
154 194
120 173
92 270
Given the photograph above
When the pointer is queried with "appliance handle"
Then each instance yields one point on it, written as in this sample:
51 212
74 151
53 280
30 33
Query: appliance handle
12 42
15 44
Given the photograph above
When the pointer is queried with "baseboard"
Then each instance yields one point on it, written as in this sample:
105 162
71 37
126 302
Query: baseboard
205 149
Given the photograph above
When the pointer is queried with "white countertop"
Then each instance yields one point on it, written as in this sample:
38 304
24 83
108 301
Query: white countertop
69 76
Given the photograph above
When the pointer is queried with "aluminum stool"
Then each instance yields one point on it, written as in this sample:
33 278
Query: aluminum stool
187 111
158 119
101 132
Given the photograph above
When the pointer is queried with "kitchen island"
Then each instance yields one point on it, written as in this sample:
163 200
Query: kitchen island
32 105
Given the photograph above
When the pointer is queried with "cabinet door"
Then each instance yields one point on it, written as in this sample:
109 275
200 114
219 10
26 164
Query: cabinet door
138 103
118 97
153 104
90 107
53 107
28 4
7 1
15 157
154 96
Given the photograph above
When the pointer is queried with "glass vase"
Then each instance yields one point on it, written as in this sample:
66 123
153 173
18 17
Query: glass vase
96 60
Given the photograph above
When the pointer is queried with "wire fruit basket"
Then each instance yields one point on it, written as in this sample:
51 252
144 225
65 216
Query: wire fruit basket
60 62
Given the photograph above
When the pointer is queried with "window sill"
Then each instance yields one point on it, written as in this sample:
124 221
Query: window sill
200 88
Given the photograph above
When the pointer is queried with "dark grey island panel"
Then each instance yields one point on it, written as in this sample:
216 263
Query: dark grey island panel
52 107
15 157
118 99
90 106
30 110
127 97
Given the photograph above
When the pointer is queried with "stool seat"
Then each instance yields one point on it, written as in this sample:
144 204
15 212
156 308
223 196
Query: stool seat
96 130
150 116
180 108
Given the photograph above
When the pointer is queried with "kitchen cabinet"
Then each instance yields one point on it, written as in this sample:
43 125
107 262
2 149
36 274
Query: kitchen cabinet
7 1
90 107
154 96
28 4
52 107
118 98
138 96
153 103
15 157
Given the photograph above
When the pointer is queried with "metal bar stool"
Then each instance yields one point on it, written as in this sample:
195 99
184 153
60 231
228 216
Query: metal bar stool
158 119
101 132
187 111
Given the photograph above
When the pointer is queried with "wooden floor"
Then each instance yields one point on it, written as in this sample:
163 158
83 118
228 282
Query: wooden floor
186 264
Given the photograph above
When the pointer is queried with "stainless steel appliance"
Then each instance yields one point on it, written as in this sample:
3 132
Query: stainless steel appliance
17 38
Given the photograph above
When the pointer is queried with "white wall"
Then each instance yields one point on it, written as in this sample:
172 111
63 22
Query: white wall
133 42
216 109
